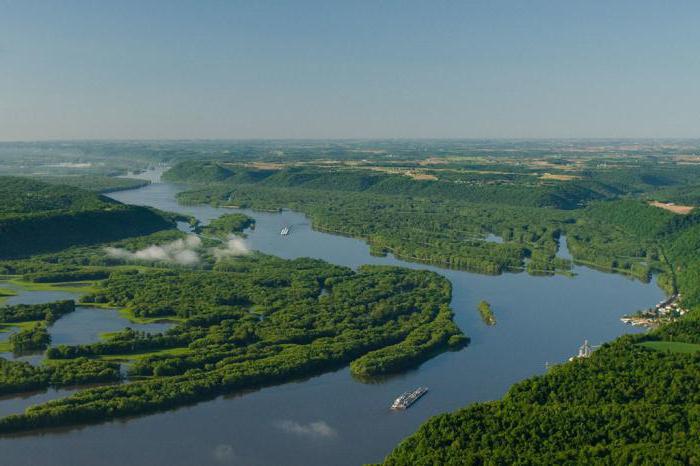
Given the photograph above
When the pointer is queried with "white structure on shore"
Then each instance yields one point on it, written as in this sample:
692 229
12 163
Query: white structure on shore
584 351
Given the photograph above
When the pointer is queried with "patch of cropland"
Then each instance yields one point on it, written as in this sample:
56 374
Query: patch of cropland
500 189
38 217
634 400
436 222
250 321
247 321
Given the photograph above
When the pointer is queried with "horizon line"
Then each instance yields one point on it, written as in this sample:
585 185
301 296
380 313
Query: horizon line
353 139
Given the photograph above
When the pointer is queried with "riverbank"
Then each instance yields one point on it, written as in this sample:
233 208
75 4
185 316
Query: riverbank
361 429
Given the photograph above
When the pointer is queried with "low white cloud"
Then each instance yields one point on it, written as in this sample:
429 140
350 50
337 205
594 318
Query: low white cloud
316 429
234 246
181 251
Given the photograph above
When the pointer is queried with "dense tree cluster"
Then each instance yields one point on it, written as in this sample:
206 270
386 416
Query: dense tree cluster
486 313
39 217
34 338
259 320
49 312
446 233
20 376
622 235
254 320
529 192
96 183
83 274
627 403
227 224
82 263
624 405
125 342
27 196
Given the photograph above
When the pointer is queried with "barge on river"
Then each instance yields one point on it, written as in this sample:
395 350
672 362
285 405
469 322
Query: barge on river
408 398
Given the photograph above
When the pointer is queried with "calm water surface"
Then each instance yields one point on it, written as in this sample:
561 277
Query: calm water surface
333 419
82 326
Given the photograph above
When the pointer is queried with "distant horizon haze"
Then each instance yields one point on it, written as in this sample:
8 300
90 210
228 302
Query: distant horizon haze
359 139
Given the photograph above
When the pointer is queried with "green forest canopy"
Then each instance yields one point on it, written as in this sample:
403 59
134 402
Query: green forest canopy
249 321
39 217
628 403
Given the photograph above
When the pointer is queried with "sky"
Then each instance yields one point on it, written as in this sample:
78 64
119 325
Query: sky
348 69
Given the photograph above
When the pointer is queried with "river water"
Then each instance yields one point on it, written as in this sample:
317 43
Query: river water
333 419
82 326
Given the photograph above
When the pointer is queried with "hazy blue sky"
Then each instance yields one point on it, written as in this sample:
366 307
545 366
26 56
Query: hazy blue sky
332 69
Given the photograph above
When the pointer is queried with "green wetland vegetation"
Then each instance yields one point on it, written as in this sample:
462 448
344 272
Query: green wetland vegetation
34 338
631 402
242 322
252 322
440 222
486 313
255 320
4 294
32 320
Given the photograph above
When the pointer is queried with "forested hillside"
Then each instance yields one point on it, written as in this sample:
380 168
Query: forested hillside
96 183
629 403
38 217
624 405
634 401
445 227
257 320
530 193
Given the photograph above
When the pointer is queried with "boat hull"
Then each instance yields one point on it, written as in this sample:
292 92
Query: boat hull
407 399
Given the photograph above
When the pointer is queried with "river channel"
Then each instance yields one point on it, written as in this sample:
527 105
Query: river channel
334 419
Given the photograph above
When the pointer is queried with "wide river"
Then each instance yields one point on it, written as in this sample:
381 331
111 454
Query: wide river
334 419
